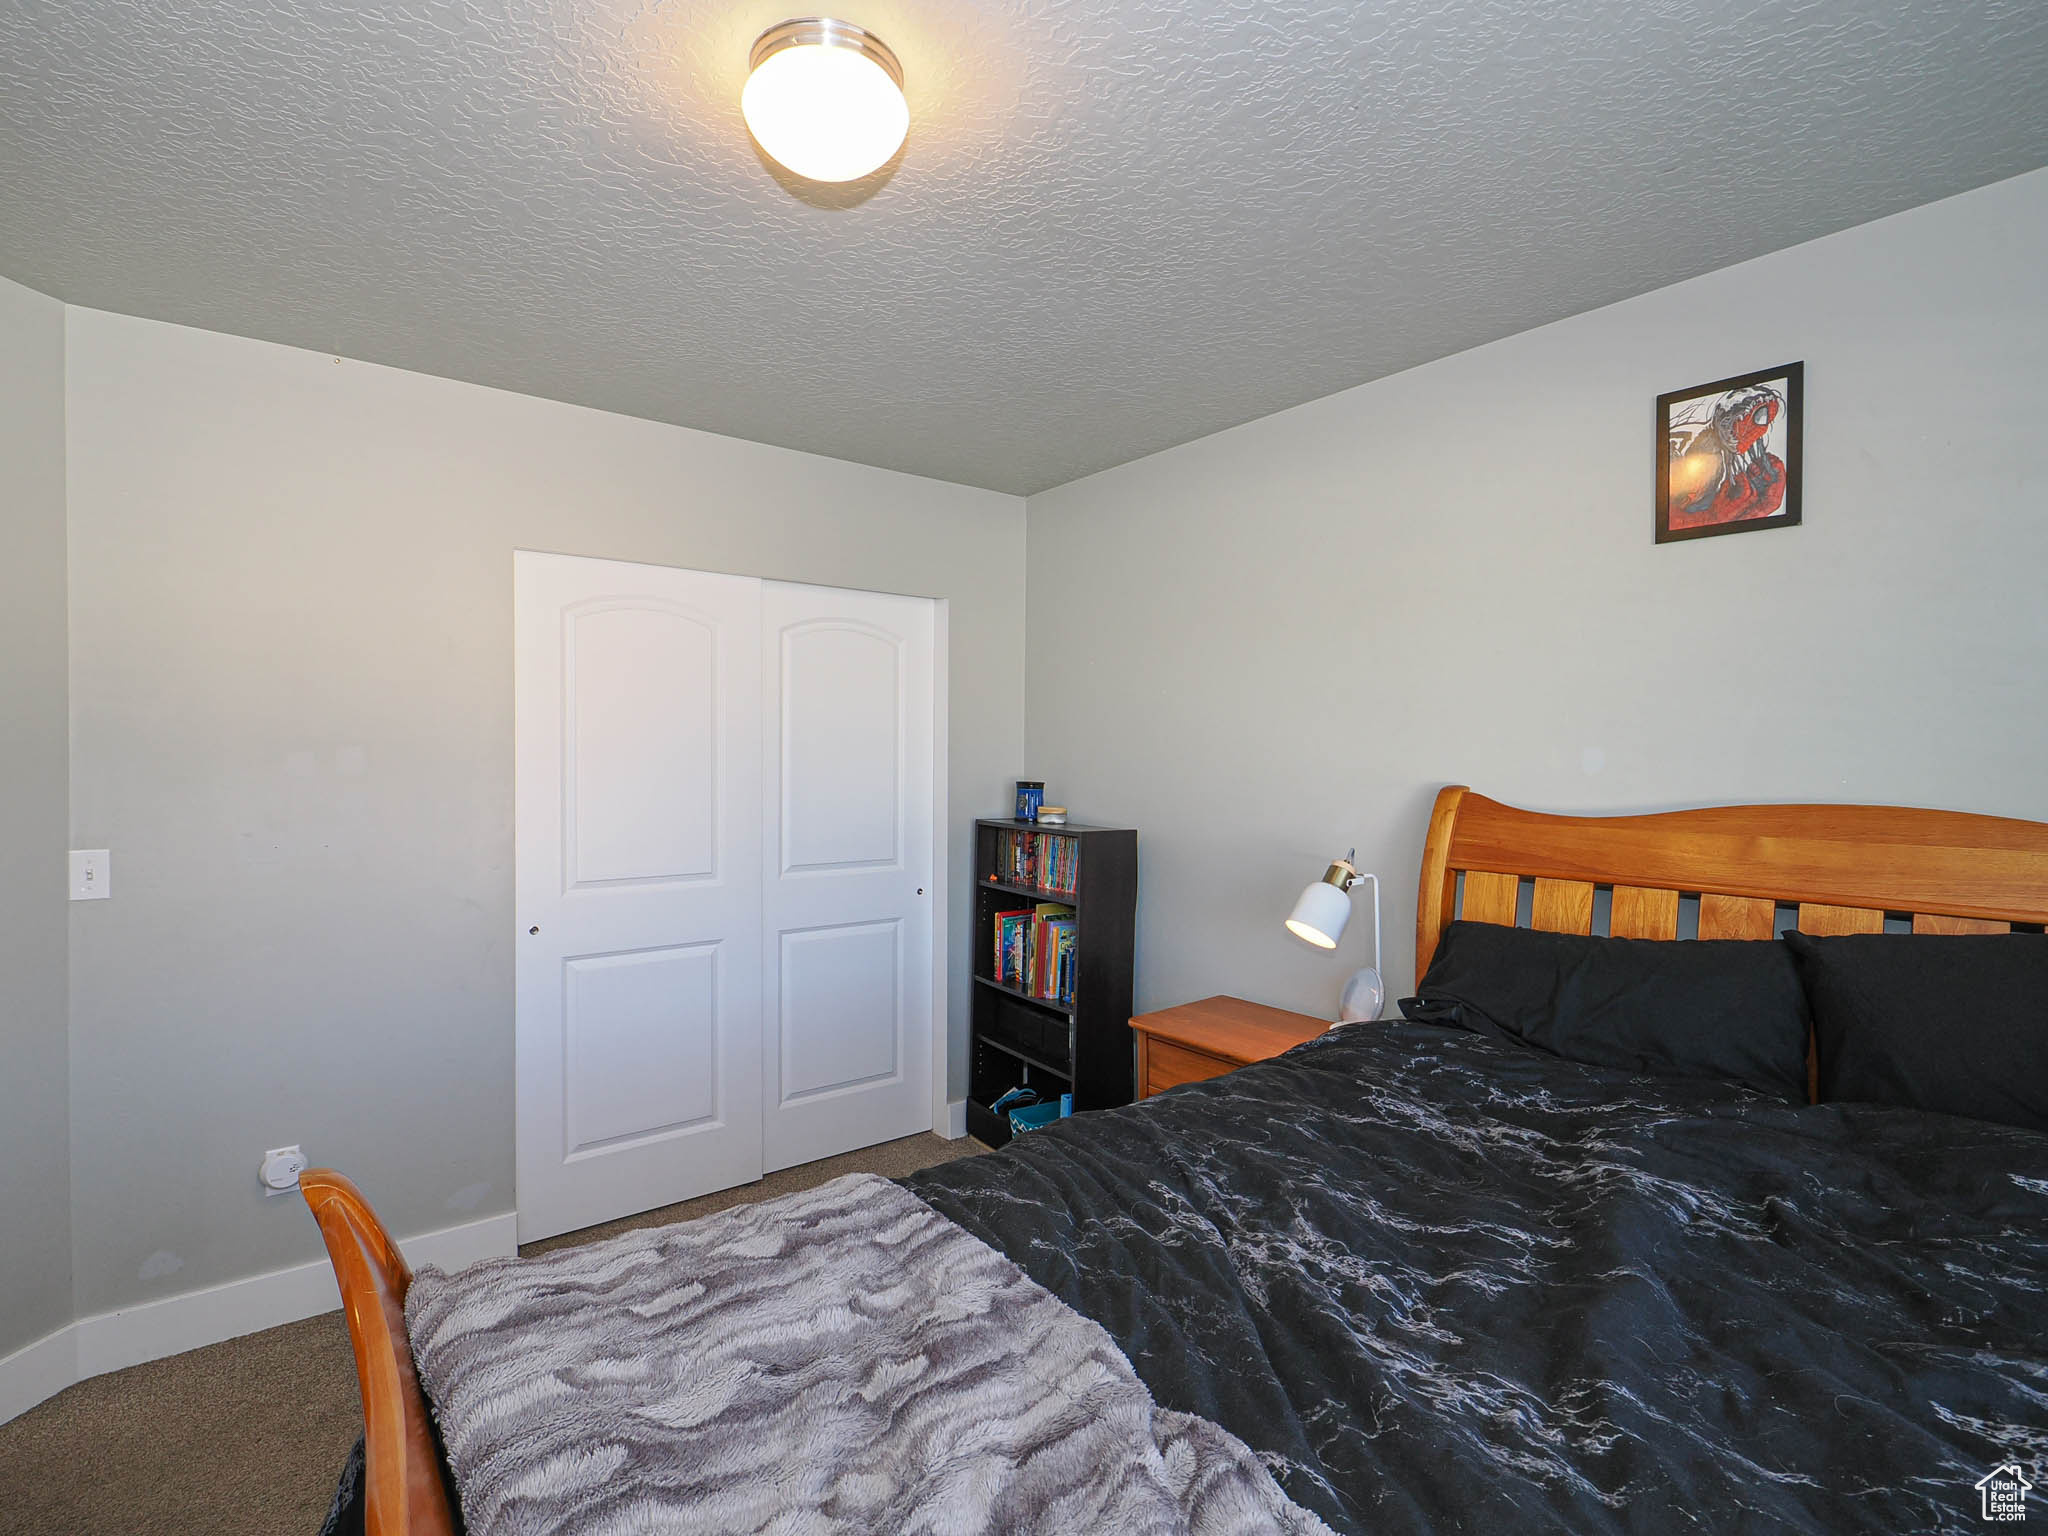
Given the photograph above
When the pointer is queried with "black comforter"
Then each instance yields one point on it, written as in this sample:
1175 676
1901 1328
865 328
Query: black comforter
1443 1283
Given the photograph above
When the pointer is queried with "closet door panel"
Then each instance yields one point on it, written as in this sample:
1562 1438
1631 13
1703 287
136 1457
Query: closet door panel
638 887
841 708
847 749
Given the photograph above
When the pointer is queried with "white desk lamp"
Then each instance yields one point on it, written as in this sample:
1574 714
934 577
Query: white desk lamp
1319 919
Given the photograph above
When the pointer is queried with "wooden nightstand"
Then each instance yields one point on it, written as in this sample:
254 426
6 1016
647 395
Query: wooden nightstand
1212 1037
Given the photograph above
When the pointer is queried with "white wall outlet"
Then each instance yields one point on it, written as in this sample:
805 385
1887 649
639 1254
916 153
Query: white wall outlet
92 874
281 1169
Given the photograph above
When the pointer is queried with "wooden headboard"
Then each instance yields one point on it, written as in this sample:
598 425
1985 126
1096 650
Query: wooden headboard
1841 868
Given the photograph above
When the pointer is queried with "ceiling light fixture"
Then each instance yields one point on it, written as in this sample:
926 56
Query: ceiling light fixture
825 98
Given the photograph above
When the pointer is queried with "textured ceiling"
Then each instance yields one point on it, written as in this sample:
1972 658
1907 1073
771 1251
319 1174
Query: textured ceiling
1116 224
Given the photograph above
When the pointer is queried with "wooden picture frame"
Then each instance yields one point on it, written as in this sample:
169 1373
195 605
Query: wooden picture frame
1728 454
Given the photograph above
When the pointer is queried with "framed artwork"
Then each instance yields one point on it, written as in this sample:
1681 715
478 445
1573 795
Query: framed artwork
1728 455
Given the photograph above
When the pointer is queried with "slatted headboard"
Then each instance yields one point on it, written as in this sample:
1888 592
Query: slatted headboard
1840 868
1844 868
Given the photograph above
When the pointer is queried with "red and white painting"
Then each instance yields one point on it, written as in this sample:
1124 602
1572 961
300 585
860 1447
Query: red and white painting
1728 455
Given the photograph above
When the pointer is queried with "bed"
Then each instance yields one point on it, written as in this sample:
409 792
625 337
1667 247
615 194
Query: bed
1437 1281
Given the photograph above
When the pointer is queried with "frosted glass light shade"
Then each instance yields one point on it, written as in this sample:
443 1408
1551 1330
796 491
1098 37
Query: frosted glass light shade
1320 915
825 99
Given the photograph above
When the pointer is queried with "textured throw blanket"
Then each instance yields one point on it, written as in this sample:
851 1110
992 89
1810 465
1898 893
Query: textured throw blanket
836 1361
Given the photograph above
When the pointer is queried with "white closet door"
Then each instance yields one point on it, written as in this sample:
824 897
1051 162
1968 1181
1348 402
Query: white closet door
847 845
638 887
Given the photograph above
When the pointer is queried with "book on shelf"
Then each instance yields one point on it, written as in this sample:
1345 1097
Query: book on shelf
1034 951
1046 860
1009 934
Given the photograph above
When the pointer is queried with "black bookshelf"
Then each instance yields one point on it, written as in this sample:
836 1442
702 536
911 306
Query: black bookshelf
1084 1046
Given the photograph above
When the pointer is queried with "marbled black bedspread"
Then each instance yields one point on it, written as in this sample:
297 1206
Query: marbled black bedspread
1446 1284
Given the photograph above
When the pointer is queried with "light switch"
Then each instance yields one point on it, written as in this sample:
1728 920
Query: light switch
92 876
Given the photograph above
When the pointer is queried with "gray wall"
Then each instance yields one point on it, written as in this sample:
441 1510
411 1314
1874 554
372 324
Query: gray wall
1277 641
292 712
35 1180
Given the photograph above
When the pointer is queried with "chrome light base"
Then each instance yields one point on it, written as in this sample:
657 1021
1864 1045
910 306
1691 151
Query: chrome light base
824 32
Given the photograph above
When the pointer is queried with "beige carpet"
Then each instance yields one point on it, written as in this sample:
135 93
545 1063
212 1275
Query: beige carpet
247 1437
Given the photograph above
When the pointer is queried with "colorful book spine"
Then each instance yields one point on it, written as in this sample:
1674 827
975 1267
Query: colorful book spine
1036 948
1010 940
1045 861
1053 978
1049 921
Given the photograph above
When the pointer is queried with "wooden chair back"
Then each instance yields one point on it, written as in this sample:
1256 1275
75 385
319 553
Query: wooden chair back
1836 868
404 1490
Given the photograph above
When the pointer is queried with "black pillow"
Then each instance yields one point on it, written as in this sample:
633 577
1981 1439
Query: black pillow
1951 1022
1724 1008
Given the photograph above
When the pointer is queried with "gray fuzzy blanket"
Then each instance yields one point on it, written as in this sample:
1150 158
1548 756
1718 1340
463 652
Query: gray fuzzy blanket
836 1361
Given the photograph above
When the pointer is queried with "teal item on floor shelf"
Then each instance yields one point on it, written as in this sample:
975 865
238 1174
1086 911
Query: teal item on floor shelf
1031 1116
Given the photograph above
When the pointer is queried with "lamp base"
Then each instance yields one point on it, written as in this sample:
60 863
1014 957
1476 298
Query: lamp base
1364 995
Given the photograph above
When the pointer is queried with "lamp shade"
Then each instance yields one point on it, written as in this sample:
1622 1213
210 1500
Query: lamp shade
1319 917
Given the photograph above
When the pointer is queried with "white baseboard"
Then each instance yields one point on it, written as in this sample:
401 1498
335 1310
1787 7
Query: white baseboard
39 1370
956 1119
110 1341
